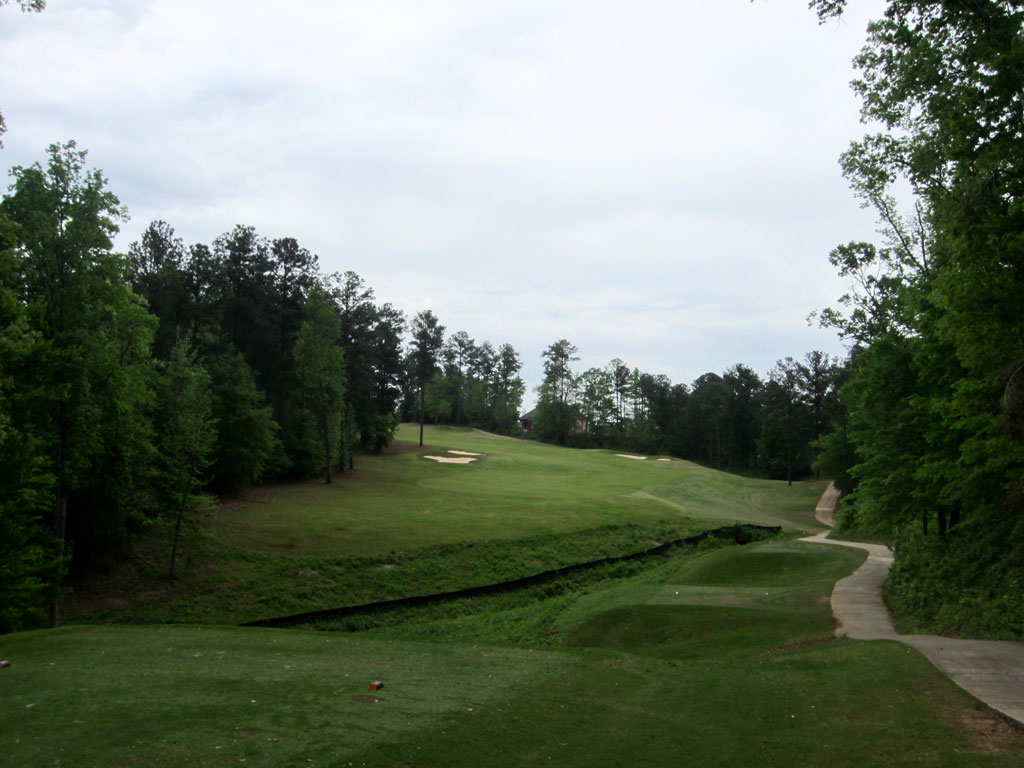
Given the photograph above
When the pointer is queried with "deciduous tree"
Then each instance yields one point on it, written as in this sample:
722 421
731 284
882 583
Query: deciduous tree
320 360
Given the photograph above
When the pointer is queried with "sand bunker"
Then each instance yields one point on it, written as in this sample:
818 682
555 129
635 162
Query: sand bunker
664 459
464 453
629 456
451 459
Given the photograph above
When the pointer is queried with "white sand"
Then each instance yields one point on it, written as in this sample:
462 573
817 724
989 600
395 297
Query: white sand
450 459
465 453
664 459
628 456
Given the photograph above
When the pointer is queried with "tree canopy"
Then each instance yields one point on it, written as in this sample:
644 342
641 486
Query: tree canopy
937 311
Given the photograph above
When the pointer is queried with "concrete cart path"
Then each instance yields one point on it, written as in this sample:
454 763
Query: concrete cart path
990 670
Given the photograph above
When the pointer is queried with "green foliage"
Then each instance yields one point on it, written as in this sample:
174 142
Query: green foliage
967 583
84 387
427 339
472 385
734 421
26 549
437 401
187 436
556 420
934 401
320 362
246 431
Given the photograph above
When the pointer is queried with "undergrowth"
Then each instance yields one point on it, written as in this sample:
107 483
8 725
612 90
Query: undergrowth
957 584
526 616
222 584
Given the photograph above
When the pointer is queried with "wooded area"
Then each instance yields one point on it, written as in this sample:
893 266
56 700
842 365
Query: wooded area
131 385
931 452
735 421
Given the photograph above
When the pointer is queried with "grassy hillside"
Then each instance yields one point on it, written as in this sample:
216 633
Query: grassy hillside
516 488
720 658
402 525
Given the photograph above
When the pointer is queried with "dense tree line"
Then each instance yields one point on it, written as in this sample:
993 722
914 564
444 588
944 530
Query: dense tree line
456 381
131 385
929 449
735 421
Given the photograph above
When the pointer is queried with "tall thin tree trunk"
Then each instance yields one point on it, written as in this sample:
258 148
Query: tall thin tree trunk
422 387
59 530
789 443
177 523
60 517
327 449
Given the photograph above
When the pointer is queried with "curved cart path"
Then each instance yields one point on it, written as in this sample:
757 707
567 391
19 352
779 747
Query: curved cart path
990 670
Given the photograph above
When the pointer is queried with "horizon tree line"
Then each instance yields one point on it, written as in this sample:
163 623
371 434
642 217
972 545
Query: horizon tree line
133 386
735 421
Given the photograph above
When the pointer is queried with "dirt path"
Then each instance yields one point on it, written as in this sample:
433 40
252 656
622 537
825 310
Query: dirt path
990 670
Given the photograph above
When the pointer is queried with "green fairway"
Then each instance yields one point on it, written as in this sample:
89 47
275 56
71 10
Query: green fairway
516 488
402 525
721 658
713 654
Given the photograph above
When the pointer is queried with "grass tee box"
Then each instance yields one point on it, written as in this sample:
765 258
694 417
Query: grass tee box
514 488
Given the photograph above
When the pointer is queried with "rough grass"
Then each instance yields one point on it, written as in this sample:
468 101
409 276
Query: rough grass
229 585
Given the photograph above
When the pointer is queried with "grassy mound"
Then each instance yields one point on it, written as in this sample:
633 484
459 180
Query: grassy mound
723 675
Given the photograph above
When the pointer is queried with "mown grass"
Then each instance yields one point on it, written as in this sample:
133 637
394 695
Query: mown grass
724 657
687 662
517 488
403 525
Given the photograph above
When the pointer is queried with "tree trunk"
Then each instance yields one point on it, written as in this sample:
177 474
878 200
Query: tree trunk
177 523
327 451
347 439
60 516
789 443
422 395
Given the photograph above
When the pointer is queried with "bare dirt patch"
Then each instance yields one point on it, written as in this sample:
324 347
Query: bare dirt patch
991 734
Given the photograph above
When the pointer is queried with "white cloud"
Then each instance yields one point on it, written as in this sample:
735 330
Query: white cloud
655 181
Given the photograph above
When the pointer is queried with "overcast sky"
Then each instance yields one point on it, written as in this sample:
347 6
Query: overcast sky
655 181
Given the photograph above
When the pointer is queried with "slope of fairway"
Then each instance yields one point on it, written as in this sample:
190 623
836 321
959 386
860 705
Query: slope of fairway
742 671
515 488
